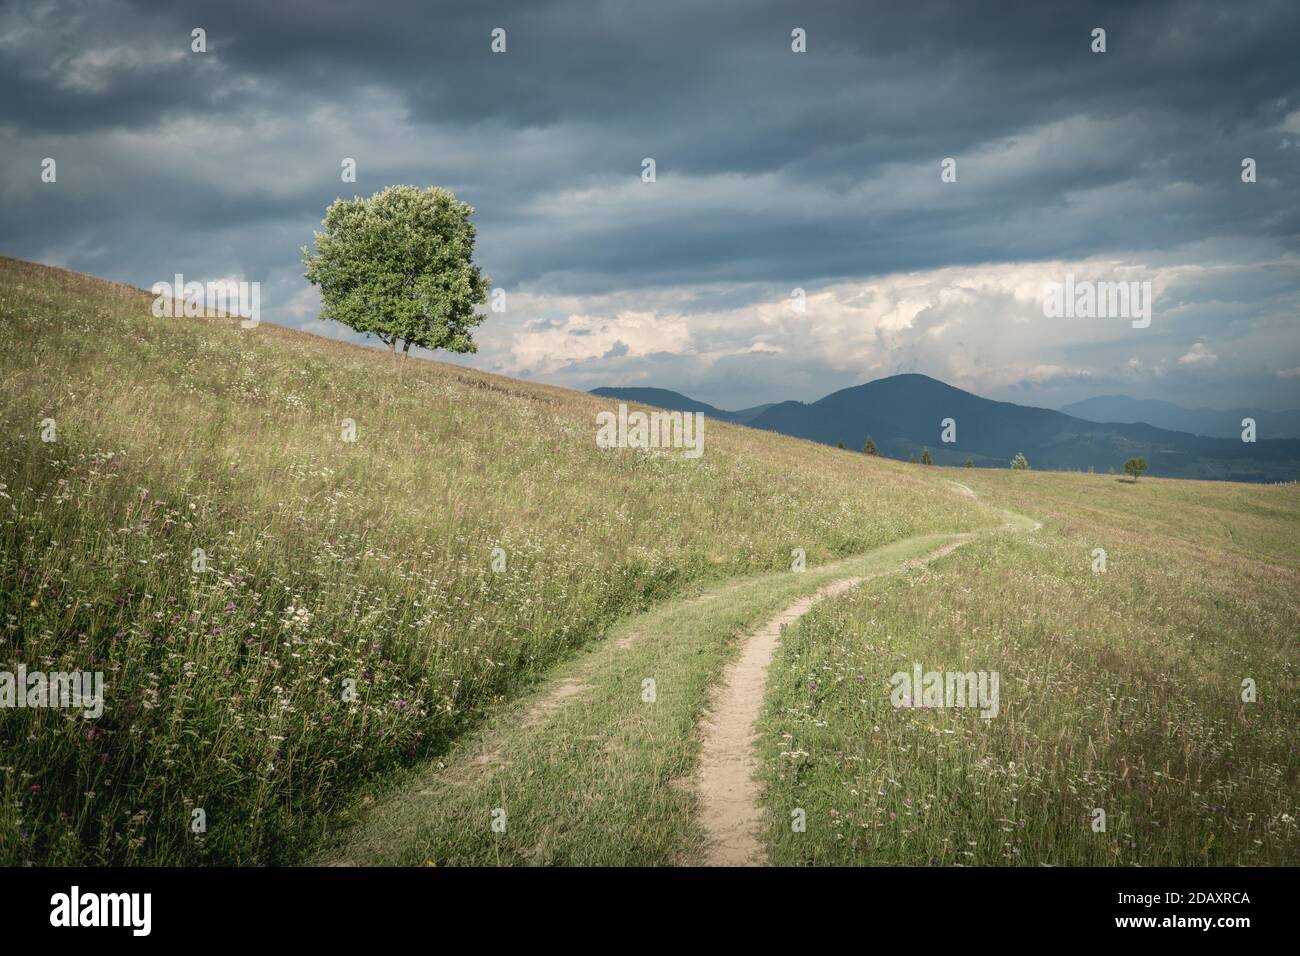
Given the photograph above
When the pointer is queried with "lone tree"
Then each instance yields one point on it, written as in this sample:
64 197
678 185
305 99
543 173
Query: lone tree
1135 467
1020 462
399 265
970 463
925 457
870 447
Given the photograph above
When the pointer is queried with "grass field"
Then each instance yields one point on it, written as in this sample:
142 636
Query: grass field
306 638
330 561
606 780
1120 691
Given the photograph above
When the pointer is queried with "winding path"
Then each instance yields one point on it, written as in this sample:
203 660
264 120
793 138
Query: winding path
576 717
729 807
730 812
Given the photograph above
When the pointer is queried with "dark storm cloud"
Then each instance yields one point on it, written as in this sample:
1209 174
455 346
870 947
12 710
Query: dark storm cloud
714 91
774 169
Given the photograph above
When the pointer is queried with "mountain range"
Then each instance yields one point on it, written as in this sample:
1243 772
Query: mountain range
1198 421
904 415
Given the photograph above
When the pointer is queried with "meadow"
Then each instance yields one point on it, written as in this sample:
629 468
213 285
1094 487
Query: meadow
590 770
1121 690
284 616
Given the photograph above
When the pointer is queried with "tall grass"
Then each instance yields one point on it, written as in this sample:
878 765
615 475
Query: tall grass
1120 691
328 561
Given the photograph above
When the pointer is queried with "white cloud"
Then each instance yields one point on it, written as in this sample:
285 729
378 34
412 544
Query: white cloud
1198 355
979 327
1044 374
548 347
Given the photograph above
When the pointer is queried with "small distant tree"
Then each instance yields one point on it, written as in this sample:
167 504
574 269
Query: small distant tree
839 444
399 265
925 457
1135 467
970 463
1020 462
870 447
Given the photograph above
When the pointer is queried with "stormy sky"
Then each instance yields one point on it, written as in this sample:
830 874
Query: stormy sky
775 170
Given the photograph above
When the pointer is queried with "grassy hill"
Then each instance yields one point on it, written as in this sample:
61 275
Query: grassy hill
330 561
368 564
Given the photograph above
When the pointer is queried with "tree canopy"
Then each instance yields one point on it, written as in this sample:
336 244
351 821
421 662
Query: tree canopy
399 265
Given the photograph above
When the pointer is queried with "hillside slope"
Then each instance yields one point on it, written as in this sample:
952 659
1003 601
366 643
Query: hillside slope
348 618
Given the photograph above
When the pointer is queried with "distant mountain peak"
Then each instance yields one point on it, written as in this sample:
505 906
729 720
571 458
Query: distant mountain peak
905 413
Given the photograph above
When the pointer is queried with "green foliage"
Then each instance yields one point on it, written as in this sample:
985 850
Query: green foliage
1134 467
870 447
1020 462
969 463
925 457
399 265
